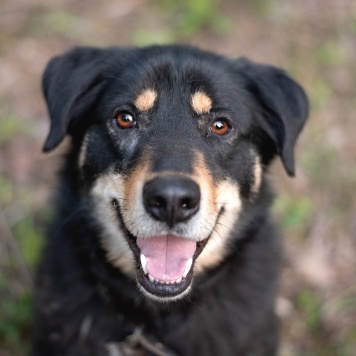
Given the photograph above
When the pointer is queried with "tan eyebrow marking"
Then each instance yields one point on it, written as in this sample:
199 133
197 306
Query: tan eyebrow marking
201 102
146 100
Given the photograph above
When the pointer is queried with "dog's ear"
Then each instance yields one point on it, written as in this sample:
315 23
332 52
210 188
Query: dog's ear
284 106
71 83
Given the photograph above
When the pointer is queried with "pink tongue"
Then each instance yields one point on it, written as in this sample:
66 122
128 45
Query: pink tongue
166 256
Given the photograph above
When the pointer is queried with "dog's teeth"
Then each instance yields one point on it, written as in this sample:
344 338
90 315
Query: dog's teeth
187 267
176 281
143 263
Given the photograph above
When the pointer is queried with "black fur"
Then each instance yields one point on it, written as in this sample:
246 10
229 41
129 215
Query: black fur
82 301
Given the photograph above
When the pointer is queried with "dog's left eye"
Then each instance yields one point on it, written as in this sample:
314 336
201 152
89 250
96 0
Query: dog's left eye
125 120
220 127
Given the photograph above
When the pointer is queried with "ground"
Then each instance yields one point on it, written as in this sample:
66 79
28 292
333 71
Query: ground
315 40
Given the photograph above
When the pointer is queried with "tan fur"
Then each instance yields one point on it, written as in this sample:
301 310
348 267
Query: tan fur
134 214
127 191
118 252
227 196
146 100
257 174
201 102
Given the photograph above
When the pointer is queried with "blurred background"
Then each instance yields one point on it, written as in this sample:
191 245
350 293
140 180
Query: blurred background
315 40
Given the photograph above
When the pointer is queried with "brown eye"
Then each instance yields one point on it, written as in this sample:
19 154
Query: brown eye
220 127
125 120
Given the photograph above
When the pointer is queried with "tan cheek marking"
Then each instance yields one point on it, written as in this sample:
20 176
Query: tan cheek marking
204 179
133 185
217 248
225 195
257 175
127 190
211 201
146 100
133 212
201 103
112 239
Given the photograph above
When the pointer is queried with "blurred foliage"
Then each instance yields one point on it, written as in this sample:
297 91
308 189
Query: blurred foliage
351 24
29 239
320 163
5 191
10 126
310 306
27 232
194 15
295 212
262 7
321 93
59 21
19 250
144 37
312 322
15 318
318 50
330 53
187 18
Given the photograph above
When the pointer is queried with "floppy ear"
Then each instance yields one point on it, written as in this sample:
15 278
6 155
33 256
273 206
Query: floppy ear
71 83
284 106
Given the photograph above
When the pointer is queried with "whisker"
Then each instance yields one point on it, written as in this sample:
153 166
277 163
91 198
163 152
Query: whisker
220 224
225 217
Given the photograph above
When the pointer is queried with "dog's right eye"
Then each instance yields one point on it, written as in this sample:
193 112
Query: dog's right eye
125 120
220 127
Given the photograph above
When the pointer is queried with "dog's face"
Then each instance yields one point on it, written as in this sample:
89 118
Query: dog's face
171 144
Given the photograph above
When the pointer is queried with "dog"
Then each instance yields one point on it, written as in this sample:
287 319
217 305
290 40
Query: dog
162 241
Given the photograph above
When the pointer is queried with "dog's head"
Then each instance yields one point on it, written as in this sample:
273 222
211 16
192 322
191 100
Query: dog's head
171 144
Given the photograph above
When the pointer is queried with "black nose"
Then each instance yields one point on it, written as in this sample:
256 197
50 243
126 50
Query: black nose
171 199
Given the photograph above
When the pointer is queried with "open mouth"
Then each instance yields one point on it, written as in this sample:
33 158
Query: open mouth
164 263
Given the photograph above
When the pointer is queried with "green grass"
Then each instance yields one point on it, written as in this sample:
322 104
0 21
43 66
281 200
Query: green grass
310 306
186 19
330 53
10 125
15 318
144 38
30 239
199 14
313 330
6 193
54 22
295 212
22 247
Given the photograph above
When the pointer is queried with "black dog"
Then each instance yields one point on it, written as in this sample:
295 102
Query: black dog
162 242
